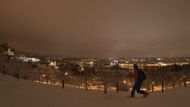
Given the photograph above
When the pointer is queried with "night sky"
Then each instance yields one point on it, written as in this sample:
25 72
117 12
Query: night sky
97 28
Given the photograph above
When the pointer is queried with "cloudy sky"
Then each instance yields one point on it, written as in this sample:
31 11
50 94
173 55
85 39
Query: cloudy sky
98 28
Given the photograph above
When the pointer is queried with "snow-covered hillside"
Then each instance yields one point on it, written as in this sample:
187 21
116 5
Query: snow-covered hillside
25 93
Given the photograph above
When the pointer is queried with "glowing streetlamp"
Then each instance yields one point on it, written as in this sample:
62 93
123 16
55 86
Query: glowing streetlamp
124 81
43 75
66 73
82 69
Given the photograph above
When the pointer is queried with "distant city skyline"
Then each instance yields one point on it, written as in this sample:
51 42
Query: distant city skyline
97 28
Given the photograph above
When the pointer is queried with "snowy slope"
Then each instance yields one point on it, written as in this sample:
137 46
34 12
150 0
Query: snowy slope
28 94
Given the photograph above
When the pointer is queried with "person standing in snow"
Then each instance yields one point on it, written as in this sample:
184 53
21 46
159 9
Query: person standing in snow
139 76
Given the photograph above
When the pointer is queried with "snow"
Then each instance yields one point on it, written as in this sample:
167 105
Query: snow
25 93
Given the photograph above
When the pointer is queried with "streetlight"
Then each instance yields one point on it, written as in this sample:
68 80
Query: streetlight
124 81
66 73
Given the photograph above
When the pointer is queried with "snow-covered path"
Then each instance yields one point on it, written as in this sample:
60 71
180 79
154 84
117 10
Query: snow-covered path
28 94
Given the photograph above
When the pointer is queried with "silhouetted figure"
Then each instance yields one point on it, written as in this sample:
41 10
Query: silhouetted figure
139 76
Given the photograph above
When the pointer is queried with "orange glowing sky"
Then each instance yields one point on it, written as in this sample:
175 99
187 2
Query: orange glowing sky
98 28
